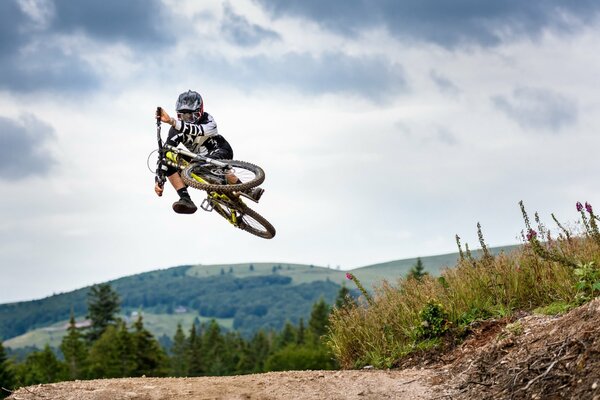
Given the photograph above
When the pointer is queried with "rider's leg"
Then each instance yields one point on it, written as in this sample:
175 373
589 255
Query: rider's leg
176 181
184 205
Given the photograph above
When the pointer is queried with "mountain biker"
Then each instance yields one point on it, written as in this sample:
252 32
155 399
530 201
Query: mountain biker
197 131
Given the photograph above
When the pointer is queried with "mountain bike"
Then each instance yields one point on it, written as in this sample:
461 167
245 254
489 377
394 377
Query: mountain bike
210 175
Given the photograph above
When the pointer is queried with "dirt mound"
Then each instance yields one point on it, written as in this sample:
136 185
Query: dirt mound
534 357
526 357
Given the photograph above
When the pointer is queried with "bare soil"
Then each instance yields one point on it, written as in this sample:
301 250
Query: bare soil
527 357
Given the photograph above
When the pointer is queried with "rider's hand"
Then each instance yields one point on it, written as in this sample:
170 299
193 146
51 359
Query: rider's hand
158 189
164 117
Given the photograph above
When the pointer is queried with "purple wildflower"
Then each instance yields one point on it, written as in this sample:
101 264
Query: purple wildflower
349 276
588 207
579 206
531 235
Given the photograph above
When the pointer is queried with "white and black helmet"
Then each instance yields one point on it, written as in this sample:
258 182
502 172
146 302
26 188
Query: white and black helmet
189 106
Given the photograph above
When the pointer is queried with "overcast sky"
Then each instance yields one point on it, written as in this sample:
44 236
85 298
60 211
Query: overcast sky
385 128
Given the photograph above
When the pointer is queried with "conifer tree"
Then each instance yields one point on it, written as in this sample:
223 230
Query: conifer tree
74 350
112 355
260 349
103 305
245 362
126 350
41 367
300 336
179 353
287 335
417 271
319 320
7 376
343 297
150 358
213 346
195 356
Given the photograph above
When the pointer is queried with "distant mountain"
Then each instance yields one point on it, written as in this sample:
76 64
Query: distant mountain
243 297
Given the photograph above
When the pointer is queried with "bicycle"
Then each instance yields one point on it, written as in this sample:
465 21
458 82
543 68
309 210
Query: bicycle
210 175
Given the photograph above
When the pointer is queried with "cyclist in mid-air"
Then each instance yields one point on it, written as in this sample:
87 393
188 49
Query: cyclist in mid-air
197 131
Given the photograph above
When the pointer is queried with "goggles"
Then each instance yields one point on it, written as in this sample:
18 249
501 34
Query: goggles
188 116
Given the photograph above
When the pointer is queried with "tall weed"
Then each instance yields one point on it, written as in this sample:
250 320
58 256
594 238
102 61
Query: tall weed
400 318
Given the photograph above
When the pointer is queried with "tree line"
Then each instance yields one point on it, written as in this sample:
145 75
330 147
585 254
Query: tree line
110 348
252 302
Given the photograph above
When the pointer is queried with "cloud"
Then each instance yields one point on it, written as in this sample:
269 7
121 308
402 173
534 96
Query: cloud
448 24
238 30
444 84
44 66
11 19
136 22
375 78
537 108
23 148
43 43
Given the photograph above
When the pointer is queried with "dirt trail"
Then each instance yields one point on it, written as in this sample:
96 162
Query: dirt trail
317 385
532 357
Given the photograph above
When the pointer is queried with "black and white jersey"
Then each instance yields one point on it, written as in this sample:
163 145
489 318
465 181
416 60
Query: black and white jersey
201 138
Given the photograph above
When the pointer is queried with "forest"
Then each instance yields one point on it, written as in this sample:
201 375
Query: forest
110 348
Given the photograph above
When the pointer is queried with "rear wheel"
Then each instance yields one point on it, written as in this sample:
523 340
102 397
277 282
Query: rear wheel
205 176
245 218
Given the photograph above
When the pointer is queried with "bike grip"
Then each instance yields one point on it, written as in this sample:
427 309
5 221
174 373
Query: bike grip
158 114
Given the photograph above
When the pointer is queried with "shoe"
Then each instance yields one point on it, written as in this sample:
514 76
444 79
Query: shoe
184 205
253 194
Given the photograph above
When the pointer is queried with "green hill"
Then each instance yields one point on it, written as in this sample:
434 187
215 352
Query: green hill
244 297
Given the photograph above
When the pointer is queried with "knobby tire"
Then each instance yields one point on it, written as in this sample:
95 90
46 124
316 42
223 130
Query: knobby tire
193 168
247 219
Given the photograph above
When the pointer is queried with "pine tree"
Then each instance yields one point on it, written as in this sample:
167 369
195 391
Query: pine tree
150 359
245 363
213 345
112 355
179 353
7 377
300 336
260 349
287 335
195 356
343 298
319 321
103 305
41 367
74 350
417 271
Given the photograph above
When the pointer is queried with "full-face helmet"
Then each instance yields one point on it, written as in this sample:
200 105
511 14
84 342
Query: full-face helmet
189 106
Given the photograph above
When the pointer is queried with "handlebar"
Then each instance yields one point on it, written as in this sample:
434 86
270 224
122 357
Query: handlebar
160 176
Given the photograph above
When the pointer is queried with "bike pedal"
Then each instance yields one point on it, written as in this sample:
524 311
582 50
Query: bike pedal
207 205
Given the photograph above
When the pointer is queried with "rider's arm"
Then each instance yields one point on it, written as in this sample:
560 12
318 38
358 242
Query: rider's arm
206 127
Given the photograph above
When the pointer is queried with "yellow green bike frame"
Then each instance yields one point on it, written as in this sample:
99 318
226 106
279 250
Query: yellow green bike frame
207 204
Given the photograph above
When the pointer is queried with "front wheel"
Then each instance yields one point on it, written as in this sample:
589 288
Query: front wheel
205 176
243 217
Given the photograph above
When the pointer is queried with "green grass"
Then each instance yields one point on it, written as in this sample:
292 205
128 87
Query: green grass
299 273
391 324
